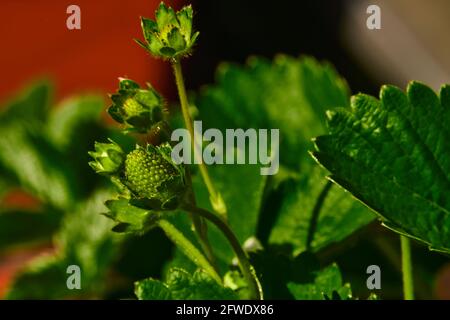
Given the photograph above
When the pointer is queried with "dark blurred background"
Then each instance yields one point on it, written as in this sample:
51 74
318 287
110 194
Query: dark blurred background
412 44
36 42
234 30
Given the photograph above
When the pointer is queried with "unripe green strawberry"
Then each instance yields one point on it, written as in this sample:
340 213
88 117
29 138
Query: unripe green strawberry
150 173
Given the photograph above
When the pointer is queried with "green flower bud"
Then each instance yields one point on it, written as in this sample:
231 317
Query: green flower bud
108 158
150 174
170 36
139 109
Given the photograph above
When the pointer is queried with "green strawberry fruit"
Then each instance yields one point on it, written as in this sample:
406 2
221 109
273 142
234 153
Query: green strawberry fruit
151 174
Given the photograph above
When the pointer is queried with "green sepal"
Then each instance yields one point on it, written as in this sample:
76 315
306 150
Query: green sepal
170 36
108 158
165 16
129 218
137 108
127 84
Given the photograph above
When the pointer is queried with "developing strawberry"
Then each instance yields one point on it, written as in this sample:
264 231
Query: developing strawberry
149 173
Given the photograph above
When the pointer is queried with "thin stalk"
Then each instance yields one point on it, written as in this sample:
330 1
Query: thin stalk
215 198
200 226
186 246
408 283
422 289
316 212
246 268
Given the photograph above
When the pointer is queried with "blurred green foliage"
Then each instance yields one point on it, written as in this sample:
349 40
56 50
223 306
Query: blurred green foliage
302 222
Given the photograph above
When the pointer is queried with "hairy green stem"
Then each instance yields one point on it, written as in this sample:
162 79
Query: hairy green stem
246 268
215 198
188 249
408 284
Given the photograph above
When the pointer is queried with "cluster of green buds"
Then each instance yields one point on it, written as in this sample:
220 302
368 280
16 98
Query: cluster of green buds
171 35
108 158
149 182
140 110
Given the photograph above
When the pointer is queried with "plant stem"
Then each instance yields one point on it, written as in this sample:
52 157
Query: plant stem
246 268
215 198
387 248
200 226
188 248
408 285
315 214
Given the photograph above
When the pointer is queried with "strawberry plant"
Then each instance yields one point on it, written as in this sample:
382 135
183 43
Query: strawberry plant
392 155
223 231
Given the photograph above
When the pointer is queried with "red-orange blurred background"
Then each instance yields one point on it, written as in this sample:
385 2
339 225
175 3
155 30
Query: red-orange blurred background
36 42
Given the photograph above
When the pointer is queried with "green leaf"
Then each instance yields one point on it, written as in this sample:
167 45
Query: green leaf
315 214
84 240
37 165
37 161
289 94
44 278
234 280
151 289
292 95
31 105
71 127
327 284
300 277
243 203
180 285
19 227
393 154
75 120
7 181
